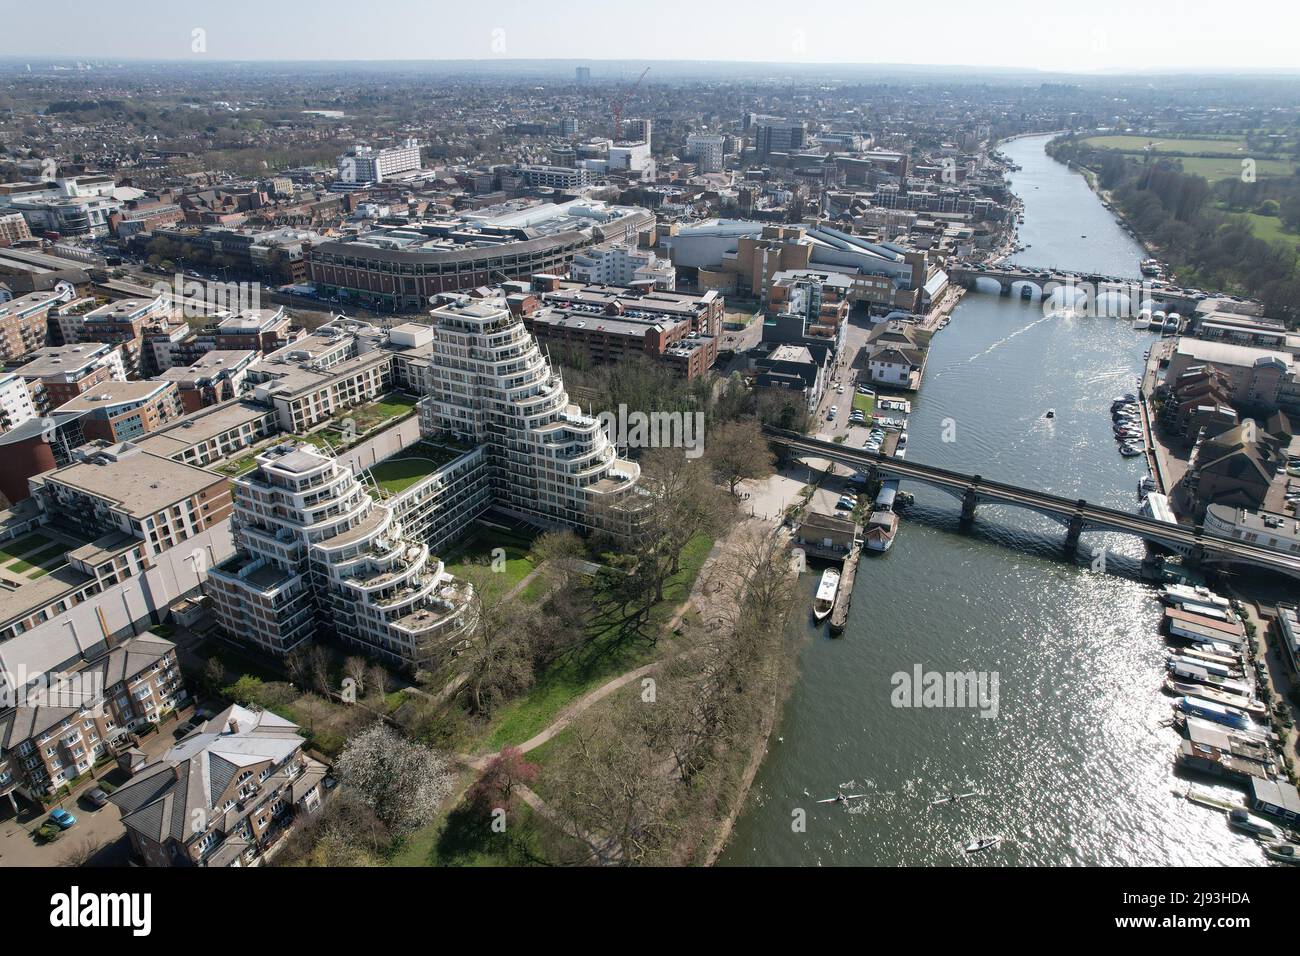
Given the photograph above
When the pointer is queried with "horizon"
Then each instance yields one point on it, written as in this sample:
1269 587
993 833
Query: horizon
1110 37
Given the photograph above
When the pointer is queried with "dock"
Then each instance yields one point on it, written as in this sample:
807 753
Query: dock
844 596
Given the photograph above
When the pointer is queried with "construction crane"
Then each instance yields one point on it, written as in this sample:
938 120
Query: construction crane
618 105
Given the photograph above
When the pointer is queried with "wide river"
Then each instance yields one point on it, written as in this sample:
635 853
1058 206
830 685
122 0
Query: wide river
1076 765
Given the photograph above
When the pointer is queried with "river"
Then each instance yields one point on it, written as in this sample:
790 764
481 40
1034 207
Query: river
1075 767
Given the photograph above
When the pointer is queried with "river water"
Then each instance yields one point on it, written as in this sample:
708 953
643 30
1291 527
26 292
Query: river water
1076 765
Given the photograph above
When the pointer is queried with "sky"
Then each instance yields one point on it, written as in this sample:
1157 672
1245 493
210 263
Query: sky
1073 36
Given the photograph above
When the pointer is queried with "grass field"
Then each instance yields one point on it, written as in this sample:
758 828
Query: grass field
864 403
1135 143
1270 229
1192 154
32 556
478 549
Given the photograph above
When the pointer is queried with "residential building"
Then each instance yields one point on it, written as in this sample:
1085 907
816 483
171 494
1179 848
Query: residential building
121 488
223 795
610 324
706 150
214 377
492 387
53 736
13 228
318 555
621 265
369 164
23 321
125 411
56 374
16 404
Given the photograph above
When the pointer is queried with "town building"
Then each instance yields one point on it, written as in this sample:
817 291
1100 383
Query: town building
16 405
621 265
223 795
611 324
56 374
124 411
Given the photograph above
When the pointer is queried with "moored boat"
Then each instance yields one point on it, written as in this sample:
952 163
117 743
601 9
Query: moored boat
824 603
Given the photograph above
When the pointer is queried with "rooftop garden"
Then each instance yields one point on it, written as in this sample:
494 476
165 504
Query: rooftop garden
410 466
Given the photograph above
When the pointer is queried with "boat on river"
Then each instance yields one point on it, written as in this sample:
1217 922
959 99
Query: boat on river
824 603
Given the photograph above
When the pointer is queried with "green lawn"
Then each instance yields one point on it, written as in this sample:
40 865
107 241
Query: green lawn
608 651
396 474
1135 143
477 551
1270 229
21 546
1191 153
864 403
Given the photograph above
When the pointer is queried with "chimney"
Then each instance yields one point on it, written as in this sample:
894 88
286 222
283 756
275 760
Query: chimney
234 726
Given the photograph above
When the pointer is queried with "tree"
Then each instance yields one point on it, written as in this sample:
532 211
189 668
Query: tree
377 680
318 666
498 785
497 655
214 676
560 555
402 781
355 668
738 451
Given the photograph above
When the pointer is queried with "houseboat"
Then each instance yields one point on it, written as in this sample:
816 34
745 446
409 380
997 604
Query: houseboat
1219 713
880 530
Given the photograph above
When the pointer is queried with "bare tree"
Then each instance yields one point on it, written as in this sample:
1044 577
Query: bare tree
318 665
560 555
737 451
356 667
497 654
377 680
402 781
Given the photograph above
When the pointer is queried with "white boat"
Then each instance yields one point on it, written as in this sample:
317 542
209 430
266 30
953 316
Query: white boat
1194 672
982 843
1130 451
1184 593
1246 822
953 798
825 601
1248 704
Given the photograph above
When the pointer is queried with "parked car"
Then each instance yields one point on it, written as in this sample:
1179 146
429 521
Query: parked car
62 818
97 798
846 503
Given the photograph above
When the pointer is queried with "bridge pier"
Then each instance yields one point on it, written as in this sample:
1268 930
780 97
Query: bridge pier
1004 289
968 502
1072 533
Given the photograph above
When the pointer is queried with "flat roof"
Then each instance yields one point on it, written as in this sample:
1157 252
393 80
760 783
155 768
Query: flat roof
54 359
138 482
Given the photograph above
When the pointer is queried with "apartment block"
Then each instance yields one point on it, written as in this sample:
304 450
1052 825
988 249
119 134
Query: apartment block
53 736
492 387
23 322
121 488
56 374
125 411
318 555
16 404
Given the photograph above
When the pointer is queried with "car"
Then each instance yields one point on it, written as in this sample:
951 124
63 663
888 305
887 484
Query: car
62 819
97 798
846 504
863 390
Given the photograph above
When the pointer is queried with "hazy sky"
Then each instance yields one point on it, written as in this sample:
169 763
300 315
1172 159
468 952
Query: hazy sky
1077 36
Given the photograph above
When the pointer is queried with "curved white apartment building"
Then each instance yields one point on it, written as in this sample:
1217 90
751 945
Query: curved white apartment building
318 554
546 461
